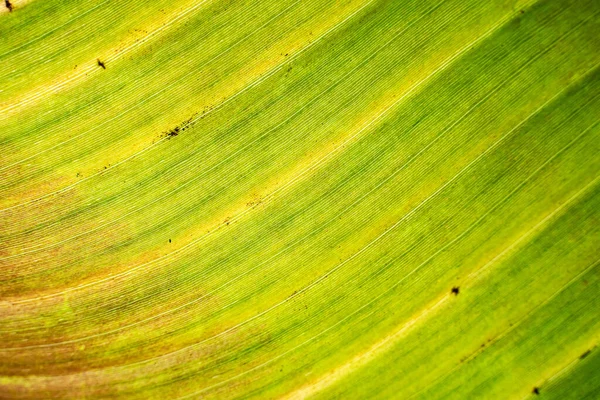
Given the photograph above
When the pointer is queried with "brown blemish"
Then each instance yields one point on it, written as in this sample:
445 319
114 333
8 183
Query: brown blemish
179 128
255 201
173 132
584 355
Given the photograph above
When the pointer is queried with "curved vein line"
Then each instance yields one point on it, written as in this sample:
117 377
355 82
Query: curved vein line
124 112
377 239
385 343
477 275
344 211
71 186
358 200
91 68
380 236
310 168
33 249
508 330
75 18
256 82
558 374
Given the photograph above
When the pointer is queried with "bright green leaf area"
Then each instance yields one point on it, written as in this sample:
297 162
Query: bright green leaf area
300 199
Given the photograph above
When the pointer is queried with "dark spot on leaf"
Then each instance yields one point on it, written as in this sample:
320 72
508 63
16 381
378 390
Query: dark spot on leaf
169 240
536 390
173 132
101 63
455 290
584 355
180 128
8 5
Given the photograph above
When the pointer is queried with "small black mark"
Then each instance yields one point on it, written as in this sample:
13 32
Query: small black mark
522 11
455 290
173 132
257 200
8 5
180 128
169 240
536 390
101 63
584 355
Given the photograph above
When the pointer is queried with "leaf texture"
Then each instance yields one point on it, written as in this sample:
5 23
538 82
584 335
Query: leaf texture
300 199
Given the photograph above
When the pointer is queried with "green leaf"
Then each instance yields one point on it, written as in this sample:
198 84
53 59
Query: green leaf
292 199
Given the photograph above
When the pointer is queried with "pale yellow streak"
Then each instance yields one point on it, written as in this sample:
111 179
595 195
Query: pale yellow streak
593 342
373 352
91 66
389 341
